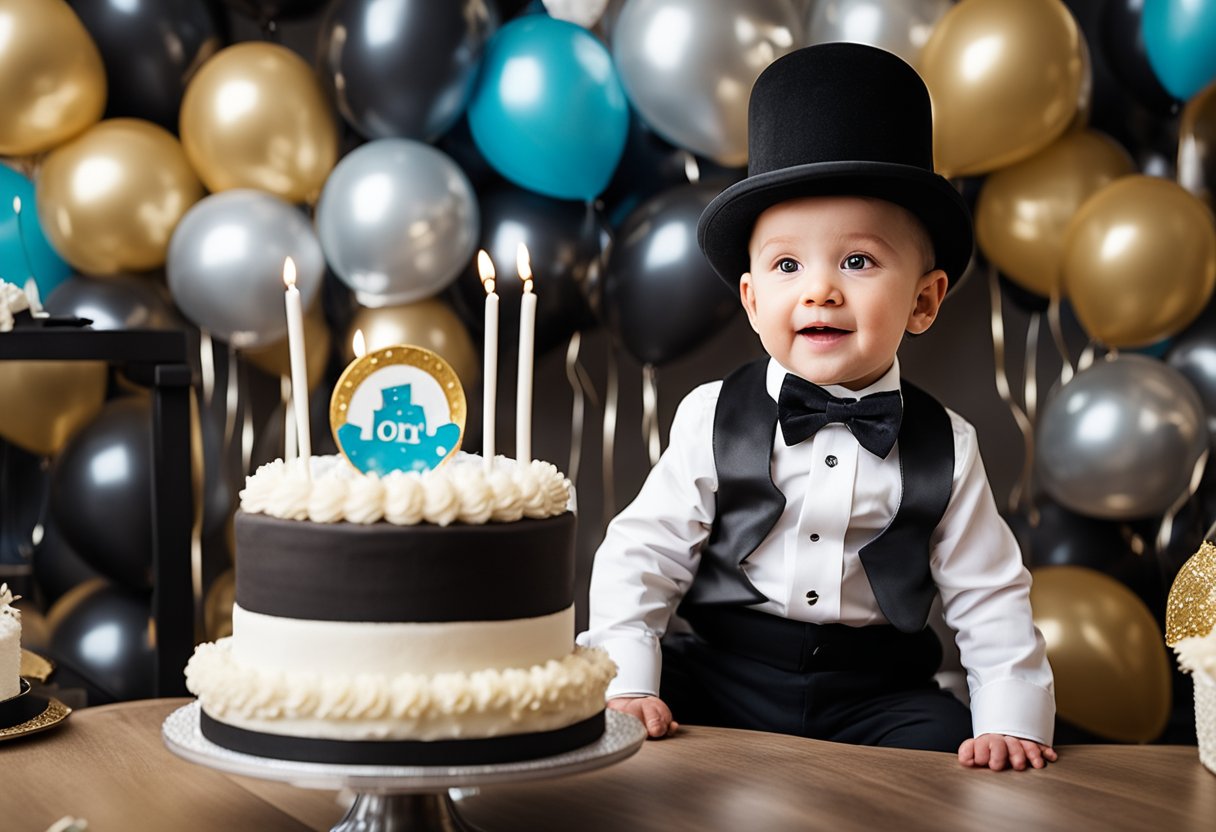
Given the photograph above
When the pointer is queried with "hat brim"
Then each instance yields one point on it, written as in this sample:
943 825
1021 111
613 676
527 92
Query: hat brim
725 227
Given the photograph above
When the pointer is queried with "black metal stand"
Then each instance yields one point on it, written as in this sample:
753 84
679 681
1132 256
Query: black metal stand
156 359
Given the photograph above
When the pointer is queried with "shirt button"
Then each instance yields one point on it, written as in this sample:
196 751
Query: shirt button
814 538
831 461
811 598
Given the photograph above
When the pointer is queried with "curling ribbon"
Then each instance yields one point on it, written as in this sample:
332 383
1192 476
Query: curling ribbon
1057 336
608 449
581 389
206 361
1021 489
196 526
650 414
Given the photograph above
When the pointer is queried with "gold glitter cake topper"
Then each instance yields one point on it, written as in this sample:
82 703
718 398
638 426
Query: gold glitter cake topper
400 408
1191 608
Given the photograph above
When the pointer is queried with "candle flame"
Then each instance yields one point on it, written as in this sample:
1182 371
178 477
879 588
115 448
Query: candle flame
485 269
358 344
523 265
16 205
289 272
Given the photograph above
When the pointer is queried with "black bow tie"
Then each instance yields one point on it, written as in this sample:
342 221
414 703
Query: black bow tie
804 408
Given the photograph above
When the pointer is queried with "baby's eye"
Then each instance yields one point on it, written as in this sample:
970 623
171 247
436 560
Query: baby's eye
787 265
856 261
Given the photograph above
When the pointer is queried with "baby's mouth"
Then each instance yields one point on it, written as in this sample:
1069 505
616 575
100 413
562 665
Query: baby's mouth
822 333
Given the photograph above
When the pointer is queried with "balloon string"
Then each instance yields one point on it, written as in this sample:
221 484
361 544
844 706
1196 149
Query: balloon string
1057 336
231 396
650 412
1030 392
290 449
196 529
1020 491
206 360
576 377
1167 522
611 398
246 421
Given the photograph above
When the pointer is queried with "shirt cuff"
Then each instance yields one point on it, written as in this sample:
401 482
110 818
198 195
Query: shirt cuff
638 663
1016 708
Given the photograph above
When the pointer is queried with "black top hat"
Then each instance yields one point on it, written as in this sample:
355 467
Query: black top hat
832 119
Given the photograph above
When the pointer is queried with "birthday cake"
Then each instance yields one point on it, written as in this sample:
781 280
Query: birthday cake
416 618
10 645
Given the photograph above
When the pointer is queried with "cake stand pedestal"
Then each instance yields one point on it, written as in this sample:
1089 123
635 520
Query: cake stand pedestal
400 798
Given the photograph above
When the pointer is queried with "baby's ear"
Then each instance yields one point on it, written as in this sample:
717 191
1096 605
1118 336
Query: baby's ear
930 294
747 296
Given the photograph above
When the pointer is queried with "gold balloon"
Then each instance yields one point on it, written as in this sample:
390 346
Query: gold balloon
255 116
110 199
1191 608
427 323
46 402
1005 77
217 609
1197 145
1112 674
276 358
1139 261
52 80
1024 209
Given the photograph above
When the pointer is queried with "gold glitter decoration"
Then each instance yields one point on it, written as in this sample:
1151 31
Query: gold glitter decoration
55 713
1191 608
429 362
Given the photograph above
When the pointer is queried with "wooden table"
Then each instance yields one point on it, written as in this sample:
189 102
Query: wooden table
109 766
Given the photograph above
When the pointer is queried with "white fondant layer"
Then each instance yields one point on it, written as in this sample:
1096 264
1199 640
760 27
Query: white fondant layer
10 657
375 705
351 647
460 490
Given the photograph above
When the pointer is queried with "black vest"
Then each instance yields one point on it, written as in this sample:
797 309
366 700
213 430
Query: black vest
896 561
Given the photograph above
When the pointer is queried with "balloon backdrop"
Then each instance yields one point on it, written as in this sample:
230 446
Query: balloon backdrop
56 399
1178 38
548 111
255 116
901 27
1193 353
116 302
397 220
149 48
566 246
101 492
1024 209
1112 675
275 357
689 65
1121 440
661 298
103 633
430 324
1139 261
24 250
1123 48
1197 146
268 10
403 68
1005 77
226 259
110 199
52 81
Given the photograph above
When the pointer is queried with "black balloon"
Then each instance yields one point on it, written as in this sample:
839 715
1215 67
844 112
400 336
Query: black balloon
150 48
115 303
566 243
101 491
661 299
265 11
57 566
102 632
403 68
1123 48
1065 538
1193 353
24 486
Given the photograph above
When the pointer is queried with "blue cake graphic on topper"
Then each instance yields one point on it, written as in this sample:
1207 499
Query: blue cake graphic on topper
398 409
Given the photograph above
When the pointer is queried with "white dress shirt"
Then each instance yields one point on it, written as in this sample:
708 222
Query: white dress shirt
838 497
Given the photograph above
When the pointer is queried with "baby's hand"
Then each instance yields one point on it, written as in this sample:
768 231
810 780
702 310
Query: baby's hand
995 750
652 710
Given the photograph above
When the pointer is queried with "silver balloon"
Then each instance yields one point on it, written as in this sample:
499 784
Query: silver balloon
225 264
899 26
688 66
1121 440
398 221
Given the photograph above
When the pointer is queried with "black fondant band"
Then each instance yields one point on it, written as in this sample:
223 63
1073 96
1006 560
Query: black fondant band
382 572
512 748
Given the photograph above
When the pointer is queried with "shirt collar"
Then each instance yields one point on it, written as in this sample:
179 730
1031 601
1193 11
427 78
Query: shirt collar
776 375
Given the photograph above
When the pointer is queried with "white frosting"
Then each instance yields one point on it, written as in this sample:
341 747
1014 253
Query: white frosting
1197 654
390 648
12 301
460 490
10 645
375 705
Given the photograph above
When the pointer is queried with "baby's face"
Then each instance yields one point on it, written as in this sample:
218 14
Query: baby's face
834 284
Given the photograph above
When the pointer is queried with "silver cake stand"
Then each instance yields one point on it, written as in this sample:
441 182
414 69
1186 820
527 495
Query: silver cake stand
400 798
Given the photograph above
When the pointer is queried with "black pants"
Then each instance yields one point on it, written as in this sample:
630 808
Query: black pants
860 685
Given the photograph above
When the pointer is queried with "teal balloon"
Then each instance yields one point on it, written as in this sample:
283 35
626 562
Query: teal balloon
549 112
24 250
1180 40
